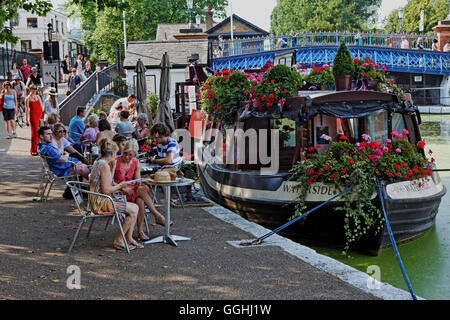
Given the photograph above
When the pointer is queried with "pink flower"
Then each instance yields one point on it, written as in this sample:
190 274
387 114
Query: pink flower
378 152
388 140
394 133
385 149
366 137
398 150
325 137
404 131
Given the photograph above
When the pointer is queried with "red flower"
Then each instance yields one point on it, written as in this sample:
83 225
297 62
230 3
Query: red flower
310 171
334 176
343 137
344 171
421 144
326 167
430 152
311 149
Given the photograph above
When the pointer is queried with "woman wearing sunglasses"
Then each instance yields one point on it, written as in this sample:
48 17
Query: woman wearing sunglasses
33 105
61 143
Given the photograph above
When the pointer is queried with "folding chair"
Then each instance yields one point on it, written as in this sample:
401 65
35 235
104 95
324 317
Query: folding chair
48 177
79 189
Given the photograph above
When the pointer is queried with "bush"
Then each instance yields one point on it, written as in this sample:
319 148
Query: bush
343 62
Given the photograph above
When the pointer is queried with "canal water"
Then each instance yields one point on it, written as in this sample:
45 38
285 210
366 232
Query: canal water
426 259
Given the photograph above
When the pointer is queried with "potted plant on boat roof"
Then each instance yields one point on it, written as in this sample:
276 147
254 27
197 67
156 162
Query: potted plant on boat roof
277 84
369 72
321 77
222 94
343 68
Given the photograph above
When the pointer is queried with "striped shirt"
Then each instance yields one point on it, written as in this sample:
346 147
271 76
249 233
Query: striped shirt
172 146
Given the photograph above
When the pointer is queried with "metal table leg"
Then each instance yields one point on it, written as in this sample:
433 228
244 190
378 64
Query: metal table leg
167 237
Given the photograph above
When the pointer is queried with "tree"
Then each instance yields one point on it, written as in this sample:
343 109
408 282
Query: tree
323 15
435 10
103 29
10 10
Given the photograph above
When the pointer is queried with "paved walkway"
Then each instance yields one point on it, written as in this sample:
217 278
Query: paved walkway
34 238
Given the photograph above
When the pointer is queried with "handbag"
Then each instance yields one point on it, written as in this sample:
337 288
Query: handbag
1 102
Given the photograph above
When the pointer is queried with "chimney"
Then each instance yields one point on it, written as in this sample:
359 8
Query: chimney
208 18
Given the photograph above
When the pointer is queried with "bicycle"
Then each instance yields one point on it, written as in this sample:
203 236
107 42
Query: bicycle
20 116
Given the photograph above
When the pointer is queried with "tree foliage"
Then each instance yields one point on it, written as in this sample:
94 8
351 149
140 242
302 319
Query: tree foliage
9 11
435 10
102 24
323 15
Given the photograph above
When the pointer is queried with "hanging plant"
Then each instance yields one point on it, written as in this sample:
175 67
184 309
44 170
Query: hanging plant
346 164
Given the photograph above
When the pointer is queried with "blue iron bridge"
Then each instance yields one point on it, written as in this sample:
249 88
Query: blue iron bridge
395 60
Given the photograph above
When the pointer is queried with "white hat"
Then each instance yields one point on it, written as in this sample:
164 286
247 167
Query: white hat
52 91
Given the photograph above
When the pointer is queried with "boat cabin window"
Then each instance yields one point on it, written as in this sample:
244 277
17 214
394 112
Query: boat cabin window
398 124
287 141
325 125
375 125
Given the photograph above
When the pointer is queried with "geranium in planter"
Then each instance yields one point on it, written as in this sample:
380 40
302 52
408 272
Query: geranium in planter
343 68
369 72
222 94
345 164
321 77
277 84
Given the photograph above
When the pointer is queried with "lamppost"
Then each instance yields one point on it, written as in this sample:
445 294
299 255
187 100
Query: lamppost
190 4
50 47
198 20
422 20
400 17
8 31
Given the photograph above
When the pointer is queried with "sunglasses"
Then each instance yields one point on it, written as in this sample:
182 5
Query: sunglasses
61 131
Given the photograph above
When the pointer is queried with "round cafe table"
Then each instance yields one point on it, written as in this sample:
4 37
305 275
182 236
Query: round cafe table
167 237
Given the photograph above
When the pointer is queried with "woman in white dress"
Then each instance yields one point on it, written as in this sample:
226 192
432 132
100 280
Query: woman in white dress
79 68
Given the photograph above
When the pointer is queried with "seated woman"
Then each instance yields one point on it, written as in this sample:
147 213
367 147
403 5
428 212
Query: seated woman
60 142
127 169
91 131
101 181
142 129
105 131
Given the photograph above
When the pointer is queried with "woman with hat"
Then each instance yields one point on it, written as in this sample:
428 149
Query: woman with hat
51 104
33 107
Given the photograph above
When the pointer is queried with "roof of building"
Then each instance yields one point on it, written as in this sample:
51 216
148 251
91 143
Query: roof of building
257 30
151 52
166 31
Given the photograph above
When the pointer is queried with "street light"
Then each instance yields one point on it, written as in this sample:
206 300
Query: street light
400 17
190 4
422 20
197 20
50 47
8 31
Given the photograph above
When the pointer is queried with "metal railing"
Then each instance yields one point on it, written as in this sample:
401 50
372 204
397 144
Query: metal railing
97 82
8 57
243 46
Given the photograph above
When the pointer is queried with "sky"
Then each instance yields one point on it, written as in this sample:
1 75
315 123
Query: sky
258 11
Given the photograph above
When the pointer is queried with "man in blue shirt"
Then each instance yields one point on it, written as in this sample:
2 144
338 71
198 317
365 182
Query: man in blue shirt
168 148
76 128
60 164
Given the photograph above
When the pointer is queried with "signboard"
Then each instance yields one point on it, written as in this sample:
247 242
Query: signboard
50 73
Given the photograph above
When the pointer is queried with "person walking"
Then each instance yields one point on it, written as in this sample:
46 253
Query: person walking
9 98
79 66
51 103
87 67
25 69
33 111
73 82
15 72
36 79
65 68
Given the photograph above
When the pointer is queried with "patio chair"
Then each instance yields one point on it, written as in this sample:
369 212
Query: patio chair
80 192
49 178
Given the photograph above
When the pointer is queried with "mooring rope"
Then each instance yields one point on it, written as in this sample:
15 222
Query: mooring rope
391 236
287 224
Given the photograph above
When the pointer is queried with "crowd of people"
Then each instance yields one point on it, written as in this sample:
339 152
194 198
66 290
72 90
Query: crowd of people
115 166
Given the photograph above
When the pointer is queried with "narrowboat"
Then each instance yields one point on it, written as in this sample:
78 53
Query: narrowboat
256 192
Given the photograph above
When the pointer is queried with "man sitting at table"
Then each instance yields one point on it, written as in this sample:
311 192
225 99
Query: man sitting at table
124 127
59 163
168 148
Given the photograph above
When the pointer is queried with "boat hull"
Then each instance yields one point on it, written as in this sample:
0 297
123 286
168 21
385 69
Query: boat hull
268 201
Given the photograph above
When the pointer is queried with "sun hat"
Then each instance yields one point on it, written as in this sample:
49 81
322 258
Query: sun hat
34 69
52 91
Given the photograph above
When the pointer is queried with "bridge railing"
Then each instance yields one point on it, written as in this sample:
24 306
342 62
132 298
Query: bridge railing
243 46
